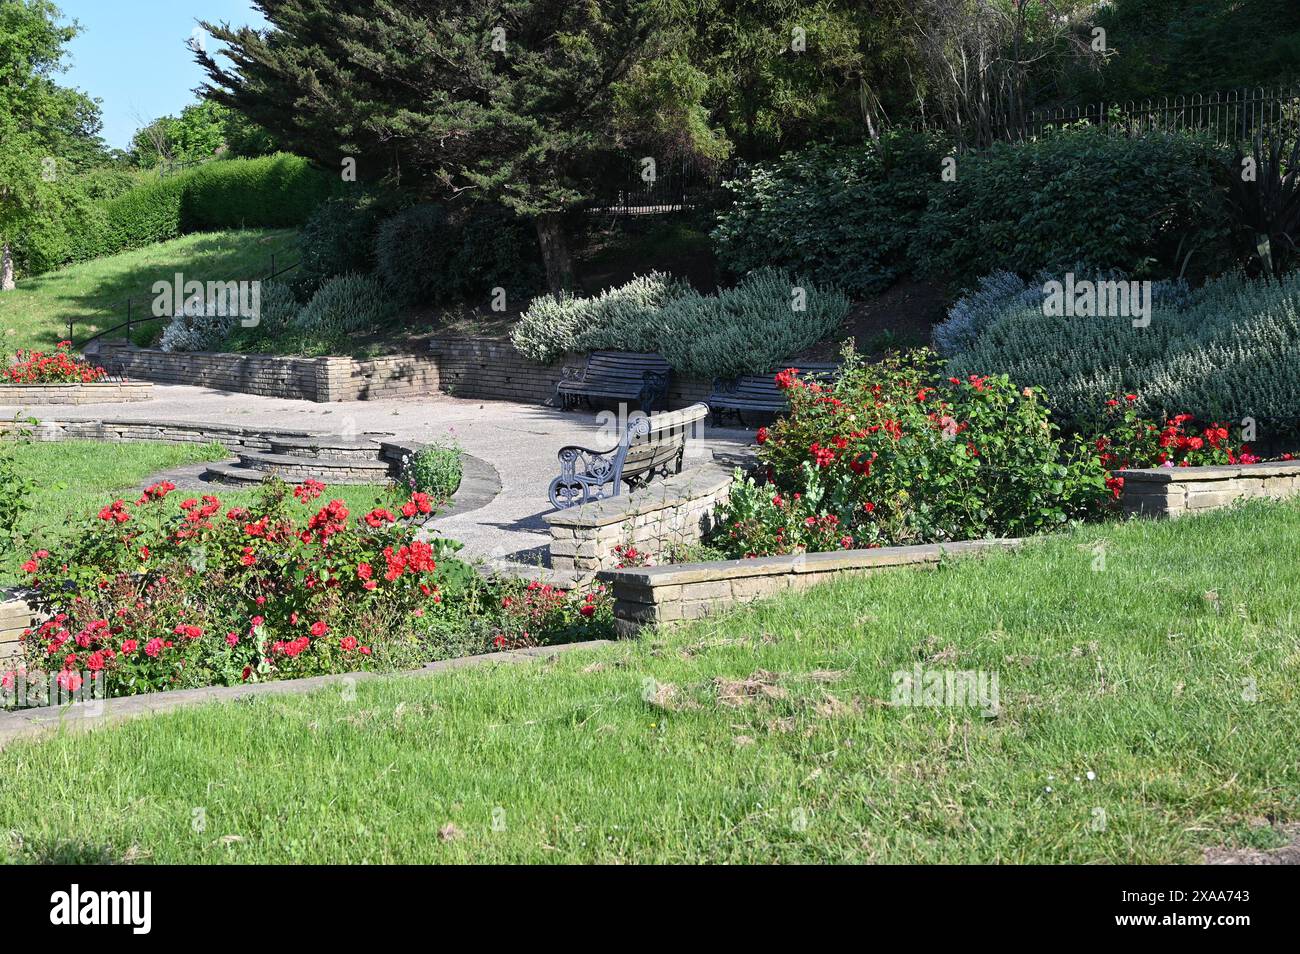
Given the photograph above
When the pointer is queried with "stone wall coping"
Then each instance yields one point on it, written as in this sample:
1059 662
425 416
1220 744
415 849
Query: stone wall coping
92 385
660 495
1181 475
236 429
829 562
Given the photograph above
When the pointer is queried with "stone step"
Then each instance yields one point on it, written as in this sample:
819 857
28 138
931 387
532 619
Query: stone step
236 476
335 446
327 470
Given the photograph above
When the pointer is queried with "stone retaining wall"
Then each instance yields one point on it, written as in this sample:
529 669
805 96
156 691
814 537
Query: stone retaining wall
14 618
1176 491
667 595
491 368
233 437
672 512
98 392
308 379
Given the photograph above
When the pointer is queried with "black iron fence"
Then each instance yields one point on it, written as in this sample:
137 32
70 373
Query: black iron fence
1232 117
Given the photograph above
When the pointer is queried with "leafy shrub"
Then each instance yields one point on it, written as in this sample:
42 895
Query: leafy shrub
338 239
413 253
840 216
344 305
279 309
1128 440
162 593
740 330
895 453
622 318
434 469
747 329
16 485
1137 204
494 249
1226 351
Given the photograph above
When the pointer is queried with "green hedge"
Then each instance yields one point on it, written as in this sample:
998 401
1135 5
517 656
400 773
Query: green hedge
841 216
859 217
1137 204
106 212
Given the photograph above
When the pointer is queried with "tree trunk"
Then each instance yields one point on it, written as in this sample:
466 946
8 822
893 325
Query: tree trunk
555 252
6 268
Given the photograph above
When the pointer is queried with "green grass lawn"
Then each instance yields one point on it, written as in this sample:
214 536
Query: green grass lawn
1148 708
76 478
36 314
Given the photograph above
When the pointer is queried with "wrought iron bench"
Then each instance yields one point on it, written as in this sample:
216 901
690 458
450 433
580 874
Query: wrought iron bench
758 393
651 445
622 375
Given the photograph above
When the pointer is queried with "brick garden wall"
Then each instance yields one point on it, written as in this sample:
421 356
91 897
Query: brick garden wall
100 392
1177 491
492 369
309 379
14 618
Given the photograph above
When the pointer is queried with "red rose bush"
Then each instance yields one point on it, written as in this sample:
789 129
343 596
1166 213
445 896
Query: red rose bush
58 367
171 591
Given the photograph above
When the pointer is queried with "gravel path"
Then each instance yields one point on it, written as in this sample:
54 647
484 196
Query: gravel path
519 440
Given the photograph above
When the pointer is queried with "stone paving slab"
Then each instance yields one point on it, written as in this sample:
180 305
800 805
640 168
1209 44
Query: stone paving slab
47 720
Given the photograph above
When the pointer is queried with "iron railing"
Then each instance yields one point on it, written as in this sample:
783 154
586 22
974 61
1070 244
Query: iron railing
132 322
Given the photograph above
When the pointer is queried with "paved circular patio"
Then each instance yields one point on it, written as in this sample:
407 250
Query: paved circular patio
519 440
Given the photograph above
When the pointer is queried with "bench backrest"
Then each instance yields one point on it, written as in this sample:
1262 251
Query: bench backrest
759 388
653 441
623 367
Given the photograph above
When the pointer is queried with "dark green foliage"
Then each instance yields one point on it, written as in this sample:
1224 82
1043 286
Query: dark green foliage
427 254
414 250
495 248
837 215
338 238
1176 47
1140 205
1264 195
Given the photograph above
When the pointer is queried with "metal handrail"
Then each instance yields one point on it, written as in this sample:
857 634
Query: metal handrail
131 322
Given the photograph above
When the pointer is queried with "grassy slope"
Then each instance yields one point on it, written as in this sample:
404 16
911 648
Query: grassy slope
94 293
76 478
1134 672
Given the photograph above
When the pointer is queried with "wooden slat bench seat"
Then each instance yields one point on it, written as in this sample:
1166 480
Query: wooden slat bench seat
651 445
617 375
758 393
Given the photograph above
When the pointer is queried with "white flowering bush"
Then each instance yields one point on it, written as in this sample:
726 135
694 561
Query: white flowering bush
1226 351
197 328
622 319
765 319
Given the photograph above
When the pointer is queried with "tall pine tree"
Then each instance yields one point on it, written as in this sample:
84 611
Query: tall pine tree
509 101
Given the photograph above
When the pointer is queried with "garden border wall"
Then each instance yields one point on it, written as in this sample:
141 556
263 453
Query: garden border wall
491 368
675 511
668 595
1177 491
321 380
74 392
233 437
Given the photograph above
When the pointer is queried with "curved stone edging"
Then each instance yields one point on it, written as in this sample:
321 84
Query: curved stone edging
46 720
97 392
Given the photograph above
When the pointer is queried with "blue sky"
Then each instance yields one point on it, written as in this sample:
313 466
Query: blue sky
131 55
